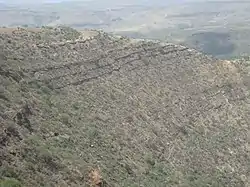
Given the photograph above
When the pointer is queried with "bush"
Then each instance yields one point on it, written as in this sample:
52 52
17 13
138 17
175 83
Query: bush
10 183
65 118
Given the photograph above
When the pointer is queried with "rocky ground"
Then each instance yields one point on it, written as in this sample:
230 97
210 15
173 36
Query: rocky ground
91 109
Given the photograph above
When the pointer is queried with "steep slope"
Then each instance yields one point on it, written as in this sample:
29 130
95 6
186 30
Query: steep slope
142 113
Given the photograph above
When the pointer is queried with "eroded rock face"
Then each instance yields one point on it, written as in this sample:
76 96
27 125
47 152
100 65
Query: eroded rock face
145 112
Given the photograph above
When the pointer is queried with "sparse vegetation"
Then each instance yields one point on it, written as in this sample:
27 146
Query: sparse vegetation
200 24
109 111
10 183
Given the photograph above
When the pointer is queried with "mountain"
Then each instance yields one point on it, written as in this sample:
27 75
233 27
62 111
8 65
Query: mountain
93 109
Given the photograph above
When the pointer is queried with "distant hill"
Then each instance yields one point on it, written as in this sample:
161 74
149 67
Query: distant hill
93 109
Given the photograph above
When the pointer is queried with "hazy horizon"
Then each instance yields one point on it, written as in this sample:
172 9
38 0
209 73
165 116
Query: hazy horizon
103 1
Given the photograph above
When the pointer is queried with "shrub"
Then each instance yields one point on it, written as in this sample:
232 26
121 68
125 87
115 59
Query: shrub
10 183
65 118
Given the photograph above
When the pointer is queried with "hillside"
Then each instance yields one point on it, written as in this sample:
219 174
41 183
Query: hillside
75 106
214 27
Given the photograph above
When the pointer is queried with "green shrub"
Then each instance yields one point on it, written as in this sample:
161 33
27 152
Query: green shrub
65 118
10 183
